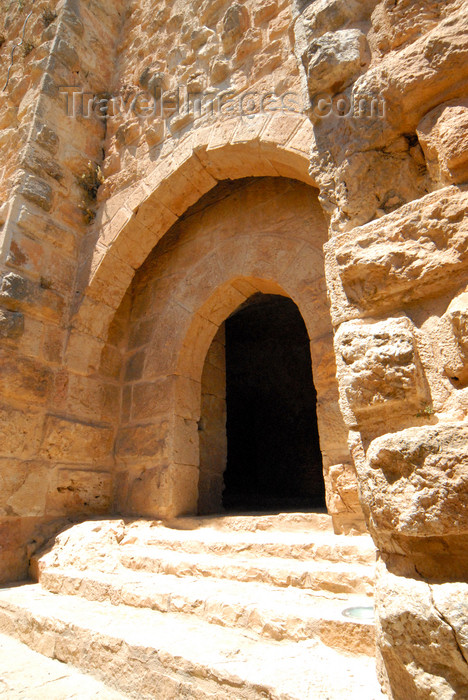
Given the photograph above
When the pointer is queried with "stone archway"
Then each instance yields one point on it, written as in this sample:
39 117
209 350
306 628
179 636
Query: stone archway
132 221
258 433
230 246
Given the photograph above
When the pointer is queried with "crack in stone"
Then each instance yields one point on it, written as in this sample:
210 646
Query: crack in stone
444 619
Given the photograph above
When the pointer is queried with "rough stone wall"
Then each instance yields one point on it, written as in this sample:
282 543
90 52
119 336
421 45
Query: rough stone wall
220 48
212 427
232 244
54 422
392 184
384 138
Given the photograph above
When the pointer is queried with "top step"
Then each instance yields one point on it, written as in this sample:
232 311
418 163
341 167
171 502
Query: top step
252 522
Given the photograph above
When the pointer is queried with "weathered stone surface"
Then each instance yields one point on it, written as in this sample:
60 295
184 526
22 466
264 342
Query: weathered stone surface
442 134
29 673
454 341
11 324
378 368
418 251
47 138
163 491
342 491
383 155
43 166
142 441
193 659
15 288
335 59
81 491
20 432
38 192
24 379
236 21
422 637
68 440
415 482
23 488
323 16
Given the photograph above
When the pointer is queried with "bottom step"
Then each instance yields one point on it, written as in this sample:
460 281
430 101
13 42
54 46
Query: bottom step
148 654
25 674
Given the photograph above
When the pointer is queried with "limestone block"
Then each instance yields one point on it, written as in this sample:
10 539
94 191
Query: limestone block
23 488
425 72
17 291
394 24
186 441
265 10
378 369
42 165
422 637
43 227
236 21
415 482
214 381
20 432
219 70
454 346
81 491
47 138
443 137
11 324
324 16
15 288
342 489
251 42
212 435
37 191
67 440
420 250
143 441
152 398
279 25
87 398
163 491
24 379
335 59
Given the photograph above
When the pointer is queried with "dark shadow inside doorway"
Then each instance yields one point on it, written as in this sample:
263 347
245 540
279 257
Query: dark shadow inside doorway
273 453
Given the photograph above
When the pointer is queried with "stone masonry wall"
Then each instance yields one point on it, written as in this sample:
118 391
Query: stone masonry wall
212 427
56 425
383 137
210 262
392 182
223 49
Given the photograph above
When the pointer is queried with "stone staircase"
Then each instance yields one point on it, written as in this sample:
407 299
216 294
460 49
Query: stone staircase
214 607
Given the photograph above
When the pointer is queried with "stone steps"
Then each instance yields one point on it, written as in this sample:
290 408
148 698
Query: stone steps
207 607
291 545
256 522
323 575
27 675
149 654
269 612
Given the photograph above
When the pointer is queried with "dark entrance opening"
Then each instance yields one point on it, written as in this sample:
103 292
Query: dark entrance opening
273 452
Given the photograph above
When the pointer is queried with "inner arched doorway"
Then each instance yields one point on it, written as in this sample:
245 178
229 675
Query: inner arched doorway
258 236
259 442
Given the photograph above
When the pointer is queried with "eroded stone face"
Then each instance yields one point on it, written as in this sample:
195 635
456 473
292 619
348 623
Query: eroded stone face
335 59
391 178
422 638
417 251
378 368
455 349
415 481
442 134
